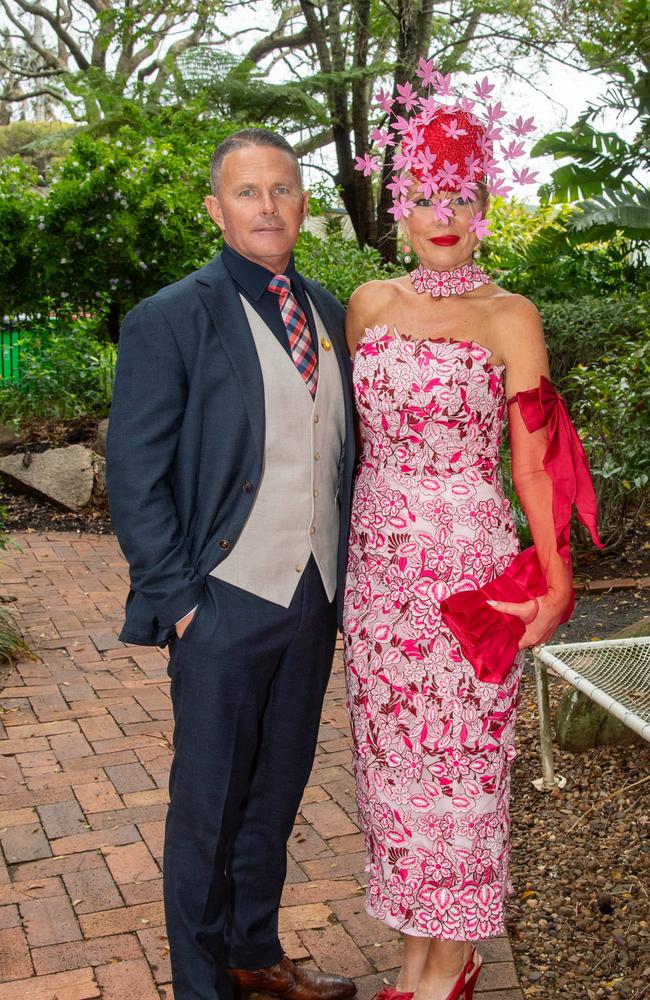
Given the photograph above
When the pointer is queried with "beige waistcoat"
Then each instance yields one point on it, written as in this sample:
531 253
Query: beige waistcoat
296 509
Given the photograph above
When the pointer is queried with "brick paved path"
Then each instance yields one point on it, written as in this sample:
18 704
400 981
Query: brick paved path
84 755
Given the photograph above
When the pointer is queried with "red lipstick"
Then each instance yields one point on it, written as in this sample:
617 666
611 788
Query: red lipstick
445 241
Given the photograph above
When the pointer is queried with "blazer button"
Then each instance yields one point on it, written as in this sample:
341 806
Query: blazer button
224 544
247 487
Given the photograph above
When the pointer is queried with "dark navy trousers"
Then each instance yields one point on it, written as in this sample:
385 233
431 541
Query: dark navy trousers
247 684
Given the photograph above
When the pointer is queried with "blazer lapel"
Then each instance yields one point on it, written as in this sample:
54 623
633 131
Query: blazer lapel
230 324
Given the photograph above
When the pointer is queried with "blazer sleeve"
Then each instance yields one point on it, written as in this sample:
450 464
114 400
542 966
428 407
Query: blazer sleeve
147 410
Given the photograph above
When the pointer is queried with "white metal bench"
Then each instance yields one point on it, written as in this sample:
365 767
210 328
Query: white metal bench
615 673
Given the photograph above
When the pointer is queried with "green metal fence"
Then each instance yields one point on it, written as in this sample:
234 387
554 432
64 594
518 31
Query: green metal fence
13 339
9 354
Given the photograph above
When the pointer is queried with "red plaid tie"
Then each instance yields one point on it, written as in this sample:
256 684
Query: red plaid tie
302 349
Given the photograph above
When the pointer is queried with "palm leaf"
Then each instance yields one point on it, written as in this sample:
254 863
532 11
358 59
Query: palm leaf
627 212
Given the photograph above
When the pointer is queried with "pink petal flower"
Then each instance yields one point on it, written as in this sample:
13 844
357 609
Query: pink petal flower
384 100
522 127
466 105
512 150
467 188
495 112
401 208
484 88
493 133
406 95
428 187
498 186
426 72
402 160
473 165
480 226
429 107
441 211
369 164
442 85
425 159
400 124
398 185
448 173
382 137
451 130
524 176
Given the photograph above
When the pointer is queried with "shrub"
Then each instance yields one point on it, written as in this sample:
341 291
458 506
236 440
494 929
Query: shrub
610 405
340 264
64 371
580 330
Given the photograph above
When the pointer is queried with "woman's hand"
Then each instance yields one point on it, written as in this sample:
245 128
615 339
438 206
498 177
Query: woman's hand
541 615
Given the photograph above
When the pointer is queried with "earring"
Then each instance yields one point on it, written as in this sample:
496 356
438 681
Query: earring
406 254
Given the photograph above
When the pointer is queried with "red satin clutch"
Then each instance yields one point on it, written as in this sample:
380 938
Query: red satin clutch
489 639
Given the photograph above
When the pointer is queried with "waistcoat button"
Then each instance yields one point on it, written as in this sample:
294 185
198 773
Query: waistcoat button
247 487
312 530
317 457
316 419
224 543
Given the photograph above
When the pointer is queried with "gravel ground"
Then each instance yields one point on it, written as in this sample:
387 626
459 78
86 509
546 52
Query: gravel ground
579 919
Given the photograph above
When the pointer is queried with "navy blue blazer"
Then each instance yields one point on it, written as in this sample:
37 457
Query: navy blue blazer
186 440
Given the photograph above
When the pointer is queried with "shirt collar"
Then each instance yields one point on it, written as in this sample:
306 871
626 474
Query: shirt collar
252 278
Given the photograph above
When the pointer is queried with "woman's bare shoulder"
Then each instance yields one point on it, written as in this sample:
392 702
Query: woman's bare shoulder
374 292
367 305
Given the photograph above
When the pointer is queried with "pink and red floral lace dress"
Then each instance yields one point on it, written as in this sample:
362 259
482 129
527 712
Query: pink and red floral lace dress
433 745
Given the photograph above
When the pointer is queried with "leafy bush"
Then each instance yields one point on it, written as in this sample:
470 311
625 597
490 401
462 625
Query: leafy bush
65 371
610 405
339 264
532 253
123 217
580 330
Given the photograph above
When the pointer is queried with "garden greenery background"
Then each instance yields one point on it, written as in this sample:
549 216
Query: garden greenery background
101 204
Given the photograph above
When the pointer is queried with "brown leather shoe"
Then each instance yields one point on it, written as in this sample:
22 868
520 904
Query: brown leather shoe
292 982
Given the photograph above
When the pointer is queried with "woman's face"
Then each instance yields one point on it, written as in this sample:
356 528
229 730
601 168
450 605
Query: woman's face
446 243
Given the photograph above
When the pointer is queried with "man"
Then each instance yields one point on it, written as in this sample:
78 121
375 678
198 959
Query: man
230 456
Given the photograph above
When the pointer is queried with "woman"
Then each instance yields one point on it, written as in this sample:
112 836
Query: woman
437 354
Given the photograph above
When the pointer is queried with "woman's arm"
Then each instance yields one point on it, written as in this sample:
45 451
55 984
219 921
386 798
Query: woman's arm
523 349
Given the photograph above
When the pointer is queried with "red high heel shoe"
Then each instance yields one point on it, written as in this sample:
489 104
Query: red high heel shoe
463 988
390 993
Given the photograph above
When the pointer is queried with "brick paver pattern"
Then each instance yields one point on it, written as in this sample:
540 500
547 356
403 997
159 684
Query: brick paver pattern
85 749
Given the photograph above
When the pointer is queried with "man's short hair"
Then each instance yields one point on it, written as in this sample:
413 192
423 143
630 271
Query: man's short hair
247 137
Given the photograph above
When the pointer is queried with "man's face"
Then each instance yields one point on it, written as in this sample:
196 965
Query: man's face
260 205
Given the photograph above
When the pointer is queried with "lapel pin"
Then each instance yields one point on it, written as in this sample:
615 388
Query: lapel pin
325 344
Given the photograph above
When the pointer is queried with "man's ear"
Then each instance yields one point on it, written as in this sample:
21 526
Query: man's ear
213 207
305 205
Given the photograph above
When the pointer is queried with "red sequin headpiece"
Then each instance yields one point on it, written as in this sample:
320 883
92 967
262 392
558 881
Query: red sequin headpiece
447 145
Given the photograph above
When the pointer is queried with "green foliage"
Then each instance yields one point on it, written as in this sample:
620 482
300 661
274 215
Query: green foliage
579 331
18 205
65 371
532 252
128 206
610 405
339 264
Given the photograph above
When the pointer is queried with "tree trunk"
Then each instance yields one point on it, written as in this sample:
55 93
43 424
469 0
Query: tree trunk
413 40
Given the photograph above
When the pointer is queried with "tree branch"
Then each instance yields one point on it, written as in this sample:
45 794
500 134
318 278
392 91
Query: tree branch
37 10
276 40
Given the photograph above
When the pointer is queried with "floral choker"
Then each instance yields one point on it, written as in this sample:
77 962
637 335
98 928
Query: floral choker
443 283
